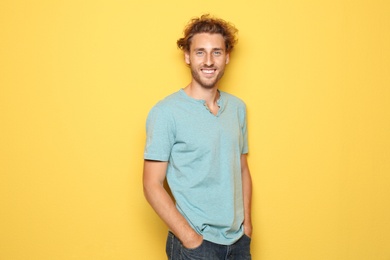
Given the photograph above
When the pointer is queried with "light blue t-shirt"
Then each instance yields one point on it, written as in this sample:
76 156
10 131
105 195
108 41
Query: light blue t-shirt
204 169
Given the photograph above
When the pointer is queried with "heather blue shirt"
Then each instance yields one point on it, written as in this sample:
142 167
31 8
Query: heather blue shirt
204 169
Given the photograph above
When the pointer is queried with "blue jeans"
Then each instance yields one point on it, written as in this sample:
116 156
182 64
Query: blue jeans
240 250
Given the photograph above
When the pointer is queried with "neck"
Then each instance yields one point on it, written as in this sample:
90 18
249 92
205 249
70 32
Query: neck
210 95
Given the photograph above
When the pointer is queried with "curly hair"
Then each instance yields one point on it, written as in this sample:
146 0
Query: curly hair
208 24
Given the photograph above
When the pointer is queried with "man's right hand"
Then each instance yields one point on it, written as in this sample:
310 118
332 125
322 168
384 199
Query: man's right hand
162 203
193 241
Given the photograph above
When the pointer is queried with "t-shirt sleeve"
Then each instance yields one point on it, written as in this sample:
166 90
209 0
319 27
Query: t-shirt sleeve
244 130
159 135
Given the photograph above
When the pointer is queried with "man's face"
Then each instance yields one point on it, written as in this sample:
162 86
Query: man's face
207 58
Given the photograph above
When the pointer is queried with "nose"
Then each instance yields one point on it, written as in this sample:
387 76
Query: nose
209 60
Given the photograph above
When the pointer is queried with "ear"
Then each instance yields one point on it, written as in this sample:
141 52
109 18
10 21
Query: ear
227 58
187 57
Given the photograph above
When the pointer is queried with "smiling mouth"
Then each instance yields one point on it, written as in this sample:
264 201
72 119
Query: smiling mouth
208 71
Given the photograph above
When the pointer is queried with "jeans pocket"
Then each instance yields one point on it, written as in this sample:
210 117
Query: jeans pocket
196 253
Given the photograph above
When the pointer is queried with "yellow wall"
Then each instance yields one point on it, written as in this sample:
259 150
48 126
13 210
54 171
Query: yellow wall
77 79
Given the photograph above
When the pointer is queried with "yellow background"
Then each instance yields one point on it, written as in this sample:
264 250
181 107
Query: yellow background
77 79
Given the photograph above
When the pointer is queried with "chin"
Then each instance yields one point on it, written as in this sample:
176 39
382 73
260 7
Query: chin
208 85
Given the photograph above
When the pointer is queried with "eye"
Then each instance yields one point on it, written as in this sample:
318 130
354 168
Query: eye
199 53
217 53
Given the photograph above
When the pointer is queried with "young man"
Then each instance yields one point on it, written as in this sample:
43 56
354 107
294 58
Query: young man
197 139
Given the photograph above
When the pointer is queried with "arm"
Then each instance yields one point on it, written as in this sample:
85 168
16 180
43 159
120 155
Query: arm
247 192
161 202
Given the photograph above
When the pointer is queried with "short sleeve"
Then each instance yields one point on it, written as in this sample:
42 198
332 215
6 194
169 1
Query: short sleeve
160 134
244 130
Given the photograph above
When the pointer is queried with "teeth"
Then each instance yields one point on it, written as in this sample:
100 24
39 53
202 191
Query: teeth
208 71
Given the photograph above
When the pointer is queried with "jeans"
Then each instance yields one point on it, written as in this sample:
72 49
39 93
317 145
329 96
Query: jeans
240 250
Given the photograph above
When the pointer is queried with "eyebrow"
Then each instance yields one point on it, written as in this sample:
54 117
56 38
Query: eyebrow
214 49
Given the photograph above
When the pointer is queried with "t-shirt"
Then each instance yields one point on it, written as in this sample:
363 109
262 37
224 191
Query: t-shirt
203 151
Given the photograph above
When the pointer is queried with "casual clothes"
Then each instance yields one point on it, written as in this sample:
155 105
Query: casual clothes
204 169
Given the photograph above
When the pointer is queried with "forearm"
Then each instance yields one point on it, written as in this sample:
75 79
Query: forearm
247 194
247 186
165 208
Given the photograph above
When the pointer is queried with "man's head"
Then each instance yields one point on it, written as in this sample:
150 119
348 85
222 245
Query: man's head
207 44
208 24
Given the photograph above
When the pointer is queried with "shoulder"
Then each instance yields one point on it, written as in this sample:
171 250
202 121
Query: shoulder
164 110
233 99
167 103
169 100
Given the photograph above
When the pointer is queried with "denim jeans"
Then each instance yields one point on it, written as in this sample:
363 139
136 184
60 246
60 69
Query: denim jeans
240 250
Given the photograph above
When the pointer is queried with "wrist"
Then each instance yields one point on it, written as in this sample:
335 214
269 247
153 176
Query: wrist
192 240
248 229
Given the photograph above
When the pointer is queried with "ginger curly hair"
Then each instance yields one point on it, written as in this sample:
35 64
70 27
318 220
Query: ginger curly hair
208 24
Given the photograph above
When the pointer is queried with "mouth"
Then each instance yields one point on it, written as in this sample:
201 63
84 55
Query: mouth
208 72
